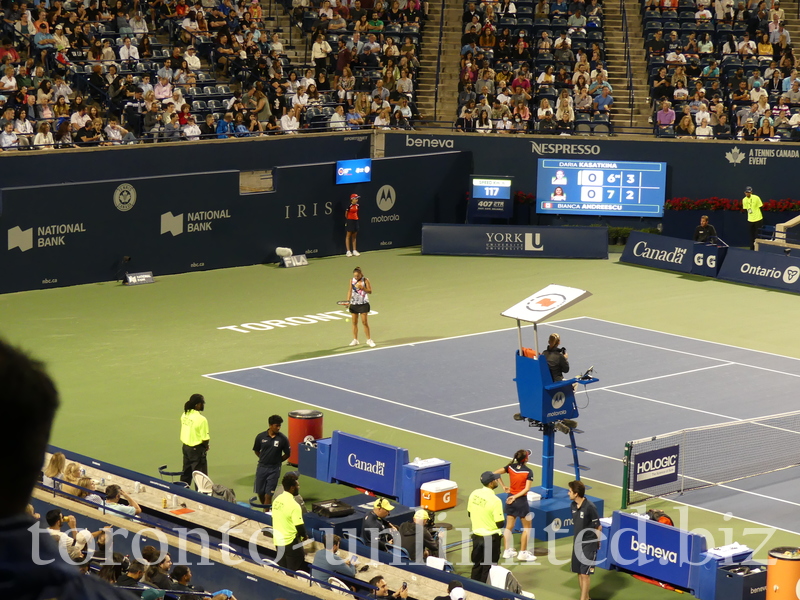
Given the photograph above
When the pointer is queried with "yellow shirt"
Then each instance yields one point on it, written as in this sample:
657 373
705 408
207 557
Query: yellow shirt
485 510
194 428
286 516
753 207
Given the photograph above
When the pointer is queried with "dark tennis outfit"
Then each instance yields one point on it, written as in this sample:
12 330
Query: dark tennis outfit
518 476
270 452
584 553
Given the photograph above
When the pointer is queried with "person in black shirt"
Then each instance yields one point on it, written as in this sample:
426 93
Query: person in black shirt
705 232
132 577
656 46
466 123
455 584
377 531
208 129
723 129
586 528
557 358
272 448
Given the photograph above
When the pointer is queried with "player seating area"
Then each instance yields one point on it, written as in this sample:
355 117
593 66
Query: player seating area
534 67
76 76
716 72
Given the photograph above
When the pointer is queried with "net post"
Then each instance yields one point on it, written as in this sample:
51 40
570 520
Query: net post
626 461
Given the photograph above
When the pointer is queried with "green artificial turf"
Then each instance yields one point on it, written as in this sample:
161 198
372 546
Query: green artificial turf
127 358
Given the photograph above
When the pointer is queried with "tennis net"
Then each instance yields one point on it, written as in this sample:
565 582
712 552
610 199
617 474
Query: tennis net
699 457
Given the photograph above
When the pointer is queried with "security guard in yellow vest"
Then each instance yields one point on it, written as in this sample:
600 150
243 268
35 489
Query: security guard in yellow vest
485 511
194 437
288 528
752 204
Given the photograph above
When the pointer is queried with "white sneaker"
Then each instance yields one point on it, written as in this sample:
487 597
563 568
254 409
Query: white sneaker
370 343
525 555
509 553
356 253
349 253
354 343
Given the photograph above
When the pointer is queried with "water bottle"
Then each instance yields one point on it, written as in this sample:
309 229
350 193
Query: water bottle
83 472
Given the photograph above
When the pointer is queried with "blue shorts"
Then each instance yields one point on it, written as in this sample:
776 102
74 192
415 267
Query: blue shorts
518 508
267 479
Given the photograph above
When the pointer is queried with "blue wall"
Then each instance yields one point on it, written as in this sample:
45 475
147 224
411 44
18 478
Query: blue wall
698 169
71 233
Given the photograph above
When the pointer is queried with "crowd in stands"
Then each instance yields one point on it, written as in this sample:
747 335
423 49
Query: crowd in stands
725 73
534 68
89 74
154 572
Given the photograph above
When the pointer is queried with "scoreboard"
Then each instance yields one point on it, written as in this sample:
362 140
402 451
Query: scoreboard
601 187
491 197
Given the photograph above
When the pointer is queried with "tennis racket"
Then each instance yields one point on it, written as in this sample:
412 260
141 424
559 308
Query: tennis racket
343 303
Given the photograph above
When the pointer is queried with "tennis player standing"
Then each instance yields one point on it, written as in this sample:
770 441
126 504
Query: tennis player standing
358 297
351 225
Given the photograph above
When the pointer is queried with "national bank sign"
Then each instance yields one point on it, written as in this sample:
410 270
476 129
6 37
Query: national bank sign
367 464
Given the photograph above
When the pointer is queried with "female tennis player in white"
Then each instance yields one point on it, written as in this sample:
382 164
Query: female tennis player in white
358 298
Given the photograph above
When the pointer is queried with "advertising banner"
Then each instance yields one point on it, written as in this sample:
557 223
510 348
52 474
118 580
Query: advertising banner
661 252
656 467
510 240
366 463
762 269
708 258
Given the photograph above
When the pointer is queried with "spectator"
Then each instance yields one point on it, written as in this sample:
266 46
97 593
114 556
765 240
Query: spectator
114 494
86 489
43 139
704 130
685 127
328 560
603 102
749 131
58 462
70 545
666 116
156 574
132 577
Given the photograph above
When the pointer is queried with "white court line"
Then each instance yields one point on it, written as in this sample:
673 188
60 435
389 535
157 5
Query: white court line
211 376
570 474
616 339
425 410
610 388
694 339
442 339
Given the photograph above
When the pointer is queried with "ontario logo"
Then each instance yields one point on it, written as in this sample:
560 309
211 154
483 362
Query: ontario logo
49 235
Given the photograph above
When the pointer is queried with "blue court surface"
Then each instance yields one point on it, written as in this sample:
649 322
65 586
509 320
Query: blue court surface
461 390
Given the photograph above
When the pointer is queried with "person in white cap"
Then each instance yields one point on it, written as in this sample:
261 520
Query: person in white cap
752 204
485 512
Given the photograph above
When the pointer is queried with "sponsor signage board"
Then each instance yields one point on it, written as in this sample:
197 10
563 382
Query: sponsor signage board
519 240
655 467
762 269
661 252
368 464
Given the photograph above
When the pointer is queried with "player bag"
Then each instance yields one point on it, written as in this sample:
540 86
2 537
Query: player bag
661 517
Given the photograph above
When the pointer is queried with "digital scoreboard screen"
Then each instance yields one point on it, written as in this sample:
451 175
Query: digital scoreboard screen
354 171
492 188
491 197
601 187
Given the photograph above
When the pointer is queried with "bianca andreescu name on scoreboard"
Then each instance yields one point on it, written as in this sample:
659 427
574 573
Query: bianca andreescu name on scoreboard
620 188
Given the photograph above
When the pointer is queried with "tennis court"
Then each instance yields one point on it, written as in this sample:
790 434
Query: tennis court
461 390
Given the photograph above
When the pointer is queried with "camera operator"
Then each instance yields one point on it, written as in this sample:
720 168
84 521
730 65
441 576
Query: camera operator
557 358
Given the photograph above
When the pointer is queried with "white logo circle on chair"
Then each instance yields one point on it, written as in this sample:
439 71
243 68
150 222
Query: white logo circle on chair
558 400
